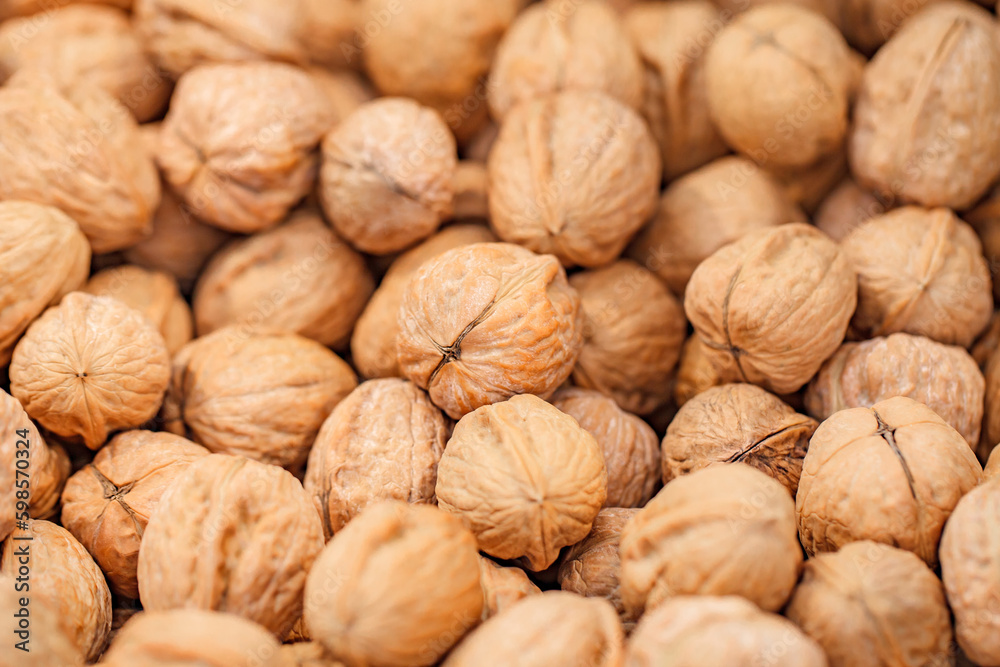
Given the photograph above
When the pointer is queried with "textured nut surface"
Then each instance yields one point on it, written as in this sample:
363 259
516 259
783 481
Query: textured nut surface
525 477
847 207
49 644
502 586
992 468
867 24
702 367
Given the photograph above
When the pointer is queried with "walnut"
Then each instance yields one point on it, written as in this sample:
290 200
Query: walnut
920 271
574 174
992 468
846 208
891 473
828 8
12 8
262 395
502 586
777 302
491 476
298 277
985 219
77 361
700 369
702 211
807 186
942 377
366 618
47 644
239 142
871 604
867 24
386 180
553 628
307 654
481 323
327 31
987 342
630 447
231 534
724 530
43 255
925 130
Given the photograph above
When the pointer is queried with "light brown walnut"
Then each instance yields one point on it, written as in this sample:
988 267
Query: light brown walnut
502 586
328 31
807 186
47 643
701 368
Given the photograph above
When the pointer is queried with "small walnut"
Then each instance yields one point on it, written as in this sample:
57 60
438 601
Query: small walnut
307 654
575 174
398 586
481 323
891 473
525 477
701 368
846 208
992 468
77 361
47 644
386 180
231 534
502 586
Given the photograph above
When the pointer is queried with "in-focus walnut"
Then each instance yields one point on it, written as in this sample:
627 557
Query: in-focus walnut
64 578
44 256
574 174
847 207
925 130
386 180
701 368
231 534
90 366
307 654
777 302
920 271
942 377
261 395
554 628
299 277
239 142
45 642
630 447
396 588
502 586
891 473
992 468
703 211
525 477
481 323
723 530
871 604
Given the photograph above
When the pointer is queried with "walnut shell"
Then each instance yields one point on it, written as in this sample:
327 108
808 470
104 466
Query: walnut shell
868 24
828 8
992 468
629 445
724 530
346 90
990 436
701 368
307 654
12 8
502 586
778 301
525 477
79 359
366 618
231 534
575 174
328 31
891 473
985 219
987 342
846 208
871 604
386 179
807 186
47 644
484 322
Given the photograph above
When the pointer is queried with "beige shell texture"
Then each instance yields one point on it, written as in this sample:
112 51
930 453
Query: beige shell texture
239 142
261 395
724 530
44 255
633 329
945 378
502 586
630 447
778 301
992 468
702 367
481 323
48 643
107 504
90 366
526 478
299 277
871 604
920 271
234 535
847 207
891 473
384 440
553 628
386 179
574 174
396 588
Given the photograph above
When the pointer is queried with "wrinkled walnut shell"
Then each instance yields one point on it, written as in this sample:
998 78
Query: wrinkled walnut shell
47 643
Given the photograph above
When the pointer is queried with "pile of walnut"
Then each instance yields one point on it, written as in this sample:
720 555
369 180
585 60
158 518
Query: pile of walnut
492 333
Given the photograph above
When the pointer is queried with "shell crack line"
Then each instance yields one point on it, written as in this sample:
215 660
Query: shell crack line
888 434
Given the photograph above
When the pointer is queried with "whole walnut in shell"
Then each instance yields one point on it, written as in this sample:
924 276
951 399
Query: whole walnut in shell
108 503
366 618
777 302
231 534
891 473
481 323
575 174
502 586
525 477
922 272
90 366
386 179
724 530
847 207
871 604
